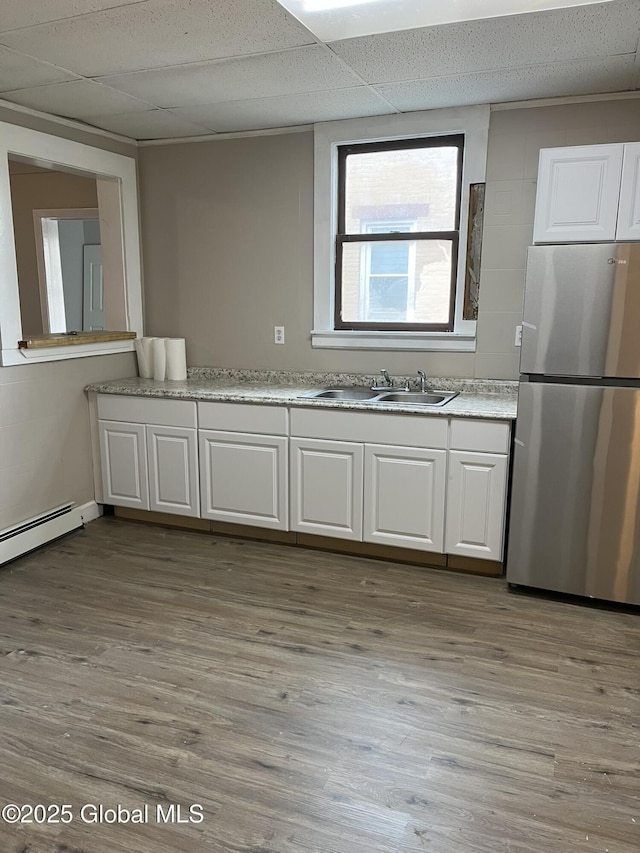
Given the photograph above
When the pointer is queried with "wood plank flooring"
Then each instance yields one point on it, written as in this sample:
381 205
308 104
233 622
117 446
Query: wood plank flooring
311 703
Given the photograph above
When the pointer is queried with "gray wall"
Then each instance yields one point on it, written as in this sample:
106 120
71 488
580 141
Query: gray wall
45 448
228 243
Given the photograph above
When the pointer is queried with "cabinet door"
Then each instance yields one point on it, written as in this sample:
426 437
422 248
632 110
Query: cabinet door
477 486
629 211
172 457
577 195
326 488
404 496
124 464
243 478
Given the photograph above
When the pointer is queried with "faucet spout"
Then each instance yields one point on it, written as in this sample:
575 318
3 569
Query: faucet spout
423 380
387 378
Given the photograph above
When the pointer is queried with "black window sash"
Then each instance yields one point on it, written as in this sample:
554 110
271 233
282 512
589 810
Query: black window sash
451 141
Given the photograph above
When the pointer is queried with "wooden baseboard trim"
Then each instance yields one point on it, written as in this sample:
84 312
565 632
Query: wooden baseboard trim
451 562
164 518
369 549
224 528
472 565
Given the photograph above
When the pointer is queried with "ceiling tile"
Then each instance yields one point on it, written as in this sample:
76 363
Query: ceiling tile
515 84
286 111
19 71
26 13
155 124
79 99
160 33
302 69
565 34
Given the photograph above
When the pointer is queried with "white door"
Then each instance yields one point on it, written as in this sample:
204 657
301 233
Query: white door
243 478
629 212
577 195
124 464
93 316
404 496
326 488
172 455
477 486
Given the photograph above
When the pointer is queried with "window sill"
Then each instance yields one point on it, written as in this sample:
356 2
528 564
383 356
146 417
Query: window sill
423 341
57 353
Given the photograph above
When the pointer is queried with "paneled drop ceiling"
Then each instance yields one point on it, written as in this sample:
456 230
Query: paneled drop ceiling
155 69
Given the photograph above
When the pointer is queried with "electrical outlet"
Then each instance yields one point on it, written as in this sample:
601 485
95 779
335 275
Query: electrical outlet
278 334
518 341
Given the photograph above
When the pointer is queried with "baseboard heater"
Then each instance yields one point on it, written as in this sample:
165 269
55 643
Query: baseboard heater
28 535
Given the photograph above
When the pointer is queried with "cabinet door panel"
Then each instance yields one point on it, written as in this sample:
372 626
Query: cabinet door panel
172 457
629 212
124 464
577 195
476 504
404 497
243 478
326 488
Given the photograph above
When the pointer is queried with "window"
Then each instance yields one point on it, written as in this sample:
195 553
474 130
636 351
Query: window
401 272
397 238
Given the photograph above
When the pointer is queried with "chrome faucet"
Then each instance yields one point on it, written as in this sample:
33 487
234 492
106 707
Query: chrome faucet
423 380
387 378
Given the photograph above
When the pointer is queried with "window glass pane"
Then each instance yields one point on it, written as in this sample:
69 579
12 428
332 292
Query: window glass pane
417 185
396 281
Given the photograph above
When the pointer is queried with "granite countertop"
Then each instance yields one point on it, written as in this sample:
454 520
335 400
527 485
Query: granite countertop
477 398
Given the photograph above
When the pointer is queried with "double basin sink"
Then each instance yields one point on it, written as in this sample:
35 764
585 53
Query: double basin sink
370 395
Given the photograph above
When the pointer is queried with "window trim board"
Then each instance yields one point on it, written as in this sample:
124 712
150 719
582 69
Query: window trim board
473 122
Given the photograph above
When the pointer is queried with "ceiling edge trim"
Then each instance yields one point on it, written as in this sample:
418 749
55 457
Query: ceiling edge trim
219 137
67 122
565 99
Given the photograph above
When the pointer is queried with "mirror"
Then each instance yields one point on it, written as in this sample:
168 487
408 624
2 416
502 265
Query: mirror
69 247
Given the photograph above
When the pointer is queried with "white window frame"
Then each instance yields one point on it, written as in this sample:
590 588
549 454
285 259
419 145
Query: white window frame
473 122
51 152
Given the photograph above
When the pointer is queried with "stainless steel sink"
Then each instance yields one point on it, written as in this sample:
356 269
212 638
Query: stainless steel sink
421 398
367 395
343 394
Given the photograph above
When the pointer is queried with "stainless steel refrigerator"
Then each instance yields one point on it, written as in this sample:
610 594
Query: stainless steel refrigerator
575 507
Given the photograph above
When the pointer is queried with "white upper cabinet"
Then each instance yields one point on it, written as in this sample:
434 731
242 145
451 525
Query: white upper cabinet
629 212
578 194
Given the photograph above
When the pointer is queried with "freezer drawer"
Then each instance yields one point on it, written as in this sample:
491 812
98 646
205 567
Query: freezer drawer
582 311
575 509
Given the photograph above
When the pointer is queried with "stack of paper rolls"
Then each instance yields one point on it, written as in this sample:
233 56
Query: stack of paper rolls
162 358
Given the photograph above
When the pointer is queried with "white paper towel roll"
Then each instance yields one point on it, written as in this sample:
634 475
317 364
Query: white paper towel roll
160 359
176 358
144 351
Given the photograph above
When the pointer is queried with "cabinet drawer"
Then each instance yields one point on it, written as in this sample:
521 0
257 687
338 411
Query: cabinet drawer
142 410
371 427
243 417
482 436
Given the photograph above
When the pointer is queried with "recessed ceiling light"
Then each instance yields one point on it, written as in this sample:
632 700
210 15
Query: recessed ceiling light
330 20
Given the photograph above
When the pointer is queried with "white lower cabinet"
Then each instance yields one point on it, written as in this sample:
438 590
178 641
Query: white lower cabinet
244 478
404 496
149 454
172 457
476 495
123 454
426 483
327 488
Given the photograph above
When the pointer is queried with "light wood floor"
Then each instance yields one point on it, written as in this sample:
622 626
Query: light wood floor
312 703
